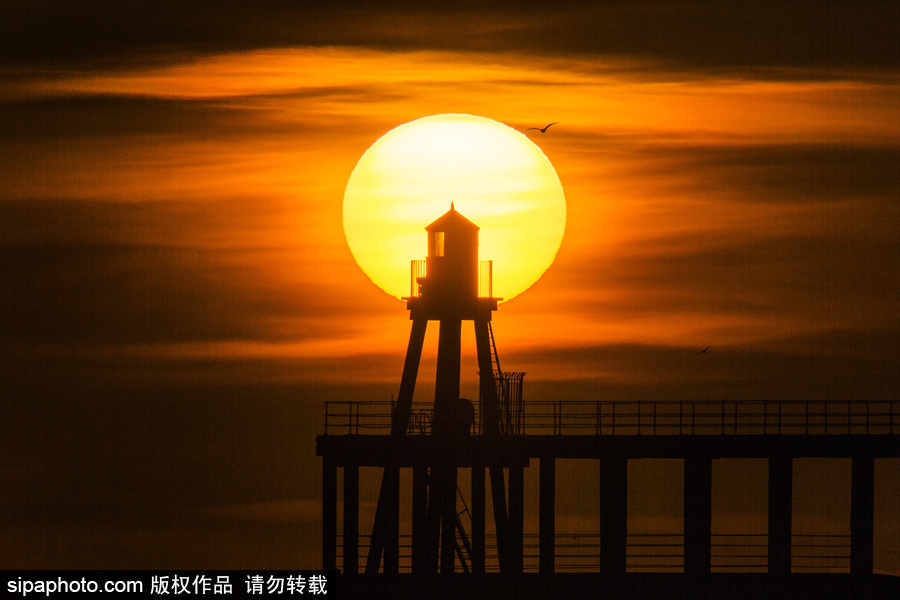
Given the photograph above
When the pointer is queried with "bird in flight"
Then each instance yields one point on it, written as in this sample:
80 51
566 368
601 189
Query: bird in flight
704 350
544 130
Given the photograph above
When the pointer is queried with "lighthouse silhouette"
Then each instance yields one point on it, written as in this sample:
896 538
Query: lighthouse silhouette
450 286
452 264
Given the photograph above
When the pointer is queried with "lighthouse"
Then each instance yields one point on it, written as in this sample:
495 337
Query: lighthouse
451 280
450 286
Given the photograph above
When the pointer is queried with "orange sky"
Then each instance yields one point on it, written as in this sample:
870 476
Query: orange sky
171 228
702 209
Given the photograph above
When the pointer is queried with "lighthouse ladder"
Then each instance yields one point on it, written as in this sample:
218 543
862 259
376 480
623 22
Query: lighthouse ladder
502 384
462 535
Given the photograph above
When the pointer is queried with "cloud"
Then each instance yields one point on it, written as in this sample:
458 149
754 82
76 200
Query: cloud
713 34
720 244
89 272
787 173
828 366
277 511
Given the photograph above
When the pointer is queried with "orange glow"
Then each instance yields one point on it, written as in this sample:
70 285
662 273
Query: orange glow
272 137
208 212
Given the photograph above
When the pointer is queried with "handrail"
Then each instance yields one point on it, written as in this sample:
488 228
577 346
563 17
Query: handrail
418 270
649 418
730 552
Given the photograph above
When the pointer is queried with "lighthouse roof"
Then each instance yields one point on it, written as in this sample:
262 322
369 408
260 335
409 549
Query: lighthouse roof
451 220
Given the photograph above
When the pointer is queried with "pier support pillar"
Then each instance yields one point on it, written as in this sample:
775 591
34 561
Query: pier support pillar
697 515
390 483
329 515
478 507
351 519
448 521
547 516
419 519
780 511
613 514
517 515
862 515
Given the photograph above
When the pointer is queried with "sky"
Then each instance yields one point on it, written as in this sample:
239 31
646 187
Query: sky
179 299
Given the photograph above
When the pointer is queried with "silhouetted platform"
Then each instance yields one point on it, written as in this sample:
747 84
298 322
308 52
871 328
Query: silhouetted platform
612 434
413 451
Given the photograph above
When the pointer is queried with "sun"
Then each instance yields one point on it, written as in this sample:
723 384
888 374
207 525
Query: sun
495 176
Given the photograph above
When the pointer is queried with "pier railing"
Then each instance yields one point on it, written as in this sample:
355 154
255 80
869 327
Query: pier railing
647 418
663 553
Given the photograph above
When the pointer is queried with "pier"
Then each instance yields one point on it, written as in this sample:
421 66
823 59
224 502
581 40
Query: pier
611 434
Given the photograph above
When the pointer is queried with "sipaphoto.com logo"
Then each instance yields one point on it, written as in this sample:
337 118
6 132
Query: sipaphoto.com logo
65 586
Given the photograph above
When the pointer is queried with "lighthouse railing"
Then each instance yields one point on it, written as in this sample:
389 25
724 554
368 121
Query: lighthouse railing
416 272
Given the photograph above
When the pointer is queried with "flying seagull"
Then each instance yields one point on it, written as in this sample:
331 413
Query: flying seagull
704 350
544 130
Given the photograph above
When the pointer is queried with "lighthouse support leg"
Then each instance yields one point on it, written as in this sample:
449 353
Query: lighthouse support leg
441 531
388 506
491 429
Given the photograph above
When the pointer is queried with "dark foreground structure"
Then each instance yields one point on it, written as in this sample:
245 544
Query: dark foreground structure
451 550
633 586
